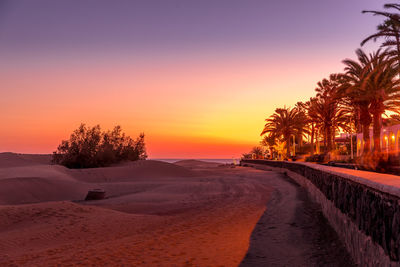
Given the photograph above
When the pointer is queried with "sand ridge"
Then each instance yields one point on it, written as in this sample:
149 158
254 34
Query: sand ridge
9 159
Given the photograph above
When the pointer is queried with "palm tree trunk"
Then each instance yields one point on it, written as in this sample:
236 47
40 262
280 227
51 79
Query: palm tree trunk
312 139
288 147
329 139
365 120
300 142
377 131
366 138
358 121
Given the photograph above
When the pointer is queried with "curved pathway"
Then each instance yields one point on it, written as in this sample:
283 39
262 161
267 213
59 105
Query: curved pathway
292 231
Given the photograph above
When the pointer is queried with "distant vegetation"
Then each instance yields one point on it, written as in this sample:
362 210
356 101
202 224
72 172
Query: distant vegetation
256 153
90 147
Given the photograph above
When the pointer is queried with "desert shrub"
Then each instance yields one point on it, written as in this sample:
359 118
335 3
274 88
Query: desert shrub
89 147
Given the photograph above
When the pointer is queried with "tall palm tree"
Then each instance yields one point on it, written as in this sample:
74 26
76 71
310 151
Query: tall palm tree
373 88
383 90
302 108
356 72
389 29
284 124
328 109
313 121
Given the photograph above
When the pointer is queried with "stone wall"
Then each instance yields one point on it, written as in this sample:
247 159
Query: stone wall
365 218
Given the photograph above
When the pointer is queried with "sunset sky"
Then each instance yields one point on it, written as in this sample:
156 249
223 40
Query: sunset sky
197 77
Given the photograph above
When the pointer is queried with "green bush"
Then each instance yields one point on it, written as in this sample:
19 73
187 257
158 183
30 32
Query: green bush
90 147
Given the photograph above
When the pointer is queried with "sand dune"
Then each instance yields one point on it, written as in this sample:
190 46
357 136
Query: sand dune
21 190
8 159
156 214
27 179
132 171
192 164
44 171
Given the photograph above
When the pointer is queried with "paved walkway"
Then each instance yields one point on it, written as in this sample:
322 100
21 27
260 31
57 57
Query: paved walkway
293 231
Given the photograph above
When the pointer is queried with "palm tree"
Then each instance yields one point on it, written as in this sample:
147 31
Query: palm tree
312 120
284 124
258 152
372 87
356 72
269 141
389 30
328 110
383 90
302 108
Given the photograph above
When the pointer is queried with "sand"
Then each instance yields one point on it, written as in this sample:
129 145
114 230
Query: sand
157 214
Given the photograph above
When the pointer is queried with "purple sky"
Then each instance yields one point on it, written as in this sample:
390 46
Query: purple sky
144 26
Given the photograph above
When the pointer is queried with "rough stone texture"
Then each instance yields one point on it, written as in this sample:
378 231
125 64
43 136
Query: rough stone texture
365 218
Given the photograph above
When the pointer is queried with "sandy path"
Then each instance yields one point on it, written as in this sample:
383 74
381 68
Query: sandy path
293 231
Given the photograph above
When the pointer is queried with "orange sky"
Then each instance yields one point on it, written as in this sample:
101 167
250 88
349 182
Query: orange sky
209 107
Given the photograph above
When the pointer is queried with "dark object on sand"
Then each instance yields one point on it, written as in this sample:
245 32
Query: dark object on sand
95 194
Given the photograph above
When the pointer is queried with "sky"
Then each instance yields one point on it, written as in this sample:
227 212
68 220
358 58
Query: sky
197 77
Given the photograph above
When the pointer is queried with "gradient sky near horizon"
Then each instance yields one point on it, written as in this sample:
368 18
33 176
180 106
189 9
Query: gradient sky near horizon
197 77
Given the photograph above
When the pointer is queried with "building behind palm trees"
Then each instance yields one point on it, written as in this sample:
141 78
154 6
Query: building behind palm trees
389 140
